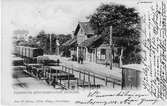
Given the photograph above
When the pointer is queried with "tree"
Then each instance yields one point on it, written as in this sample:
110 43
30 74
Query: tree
43 40
62 39
32 42
126 29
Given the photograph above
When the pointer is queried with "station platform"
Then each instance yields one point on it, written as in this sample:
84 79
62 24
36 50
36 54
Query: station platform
98 69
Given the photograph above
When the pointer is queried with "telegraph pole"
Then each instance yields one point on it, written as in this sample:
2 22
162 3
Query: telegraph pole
57 46
50 43
111 46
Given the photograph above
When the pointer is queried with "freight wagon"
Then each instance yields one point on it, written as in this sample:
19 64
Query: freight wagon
28 52
131 75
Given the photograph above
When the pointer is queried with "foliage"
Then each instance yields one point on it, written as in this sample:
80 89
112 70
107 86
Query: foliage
43 40
125 24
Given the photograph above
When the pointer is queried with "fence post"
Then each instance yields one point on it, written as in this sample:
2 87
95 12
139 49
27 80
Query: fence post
77 83
60 80
113 83
94 80
68 79
84 78
106 81
79 75
56 75
50 73
89 79
44 73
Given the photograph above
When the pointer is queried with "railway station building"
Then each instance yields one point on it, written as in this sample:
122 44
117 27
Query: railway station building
88 45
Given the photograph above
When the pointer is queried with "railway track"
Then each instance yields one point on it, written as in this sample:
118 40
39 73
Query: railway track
42 68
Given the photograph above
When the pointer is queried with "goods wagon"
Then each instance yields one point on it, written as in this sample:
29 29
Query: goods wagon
131 75
20 50
16 50
34 52
28 51
24 51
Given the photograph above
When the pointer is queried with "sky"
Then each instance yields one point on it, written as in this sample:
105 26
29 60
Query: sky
52 16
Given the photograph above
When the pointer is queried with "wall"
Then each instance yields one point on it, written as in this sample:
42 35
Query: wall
81 36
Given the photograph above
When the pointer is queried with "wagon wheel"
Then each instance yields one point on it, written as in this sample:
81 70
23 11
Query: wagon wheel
40 75
28 69
30 72
51 81
54 83
47 80
34 73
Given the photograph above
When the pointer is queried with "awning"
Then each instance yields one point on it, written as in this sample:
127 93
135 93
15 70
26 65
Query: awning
90 41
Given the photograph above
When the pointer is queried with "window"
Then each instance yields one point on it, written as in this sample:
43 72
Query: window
103 51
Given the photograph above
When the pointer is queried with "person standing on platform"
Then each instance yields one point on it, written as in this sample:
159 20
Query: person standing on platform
81 59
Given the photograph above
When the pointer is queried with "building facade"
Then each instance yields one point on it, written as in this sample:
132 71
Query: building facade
88 45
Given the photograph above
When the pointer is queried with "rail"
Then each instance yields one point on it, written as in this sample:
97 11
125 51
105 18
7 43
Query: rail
86 77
